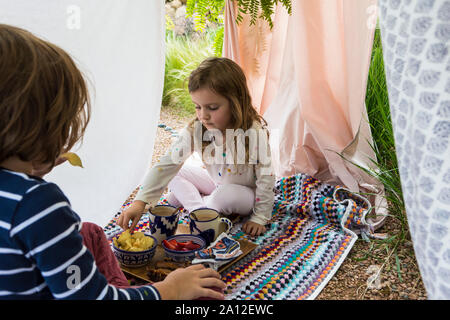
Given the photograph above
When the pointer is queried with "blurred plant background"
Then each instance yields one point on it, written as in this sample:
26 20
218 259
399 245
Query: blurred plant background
183 54
193 33
377 103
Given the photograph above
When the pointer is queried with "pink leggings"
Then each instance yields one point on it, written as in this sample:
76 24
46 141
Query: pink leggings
193 188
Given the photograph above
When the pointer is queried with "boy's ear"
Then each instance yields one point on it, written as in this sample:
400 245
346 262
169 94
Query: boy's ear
40 169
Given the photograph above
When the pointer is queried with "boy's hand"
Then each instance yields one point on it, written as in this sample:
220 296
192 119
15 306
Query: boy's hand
133 213
253 228
191 283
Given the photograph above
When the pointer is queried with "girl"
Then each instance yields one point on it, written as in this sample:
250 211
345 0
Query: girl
229 181
45 108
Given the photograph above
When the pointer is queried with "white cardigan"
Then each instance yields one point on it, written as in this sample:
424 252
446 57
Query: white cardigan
259 175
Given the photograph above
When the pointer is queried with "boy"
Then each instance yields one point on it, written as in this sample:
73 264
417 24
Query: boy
45 108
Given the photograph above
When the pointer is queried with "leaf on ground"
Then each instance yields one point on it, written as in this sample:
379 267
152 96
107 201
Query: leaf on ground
397 262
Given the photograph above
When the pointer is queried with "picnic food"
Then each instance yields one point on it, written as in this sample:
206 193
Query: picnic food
73 159
133 242
161 269
180 246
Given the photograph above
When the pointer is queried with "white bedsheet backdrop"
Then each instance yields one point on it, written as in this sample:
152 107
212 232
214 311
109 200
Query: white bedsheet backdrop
119 45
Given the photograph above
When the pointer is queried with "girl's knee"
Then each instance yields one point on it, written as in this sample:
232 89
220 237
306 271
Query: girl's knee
230 199
175 180
222 195
172 200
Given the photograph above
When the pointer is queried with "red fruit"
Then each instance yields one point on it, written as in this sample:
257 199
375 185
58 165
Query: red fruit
190 245
171 245
181 246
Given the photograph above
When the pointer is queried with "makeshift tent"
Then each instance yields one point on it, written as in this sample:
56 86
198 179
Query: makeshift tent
308 77
119 45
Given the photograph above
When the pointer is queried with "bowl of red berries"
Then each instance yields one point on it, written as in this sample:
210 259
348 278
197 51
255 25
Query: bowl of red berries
182 247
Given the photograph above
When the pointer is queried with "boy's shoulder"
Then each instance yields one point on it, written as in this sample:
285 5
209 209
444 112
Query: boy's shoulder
27 194
17 183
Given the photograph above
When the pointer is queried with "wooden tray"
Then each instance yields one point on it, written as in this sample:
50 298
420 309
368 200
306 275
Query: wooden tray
141 272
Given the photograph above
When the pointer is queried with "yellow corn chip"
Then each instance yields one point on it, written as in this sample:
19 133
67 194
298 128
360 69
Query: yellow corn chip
133 242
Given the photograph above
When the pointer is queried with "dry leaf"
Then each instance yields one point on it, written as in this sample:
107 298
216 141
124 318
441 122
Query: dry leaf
73 159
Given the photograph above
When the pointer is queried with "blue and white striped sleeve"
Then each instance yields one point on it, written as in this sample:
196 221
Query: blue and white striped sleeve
48 231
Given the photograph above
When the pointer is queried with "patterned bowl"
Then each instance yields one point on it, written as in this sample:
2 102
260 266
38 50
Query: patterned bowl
181 256
134 259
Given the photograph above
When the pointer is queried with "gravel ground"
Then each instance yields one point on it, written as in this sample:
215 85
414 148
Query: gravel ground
163 139
399 278
398 274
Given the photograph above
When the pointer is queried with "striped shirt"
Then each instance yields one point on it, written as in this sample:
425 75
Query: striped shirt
42 255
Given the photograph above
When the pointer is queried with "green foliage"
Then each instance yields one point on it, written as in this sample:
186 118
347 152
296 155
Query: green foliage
206 10
254 7
203 10
169 23
377 103
218 42
213 9
183 54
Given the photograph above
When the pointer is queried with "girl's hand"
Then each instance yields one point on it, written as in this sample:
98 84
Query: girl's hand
133 213
253 228
191 283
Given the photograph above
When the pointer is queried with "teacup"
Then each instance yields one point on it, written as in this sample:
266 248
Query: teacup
208 224
163 221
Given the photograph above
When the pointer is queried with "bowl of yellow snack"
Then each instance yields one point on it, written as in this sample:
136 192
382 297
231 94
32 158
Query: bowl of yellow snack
134 250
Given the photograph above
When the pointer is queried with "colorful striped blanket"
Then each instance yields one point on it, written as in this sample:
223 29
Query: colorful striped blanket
313 228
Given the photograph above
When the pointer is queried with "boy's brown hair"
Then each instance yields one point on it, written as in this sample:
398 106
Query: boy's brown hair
44 100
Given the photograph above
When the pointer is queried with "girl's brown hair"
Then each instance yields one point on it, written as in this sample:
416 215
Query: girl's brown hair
226 78
44 100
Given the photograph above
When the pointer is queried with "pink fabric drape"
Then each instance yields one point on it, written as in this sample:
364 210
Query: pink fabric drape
308 77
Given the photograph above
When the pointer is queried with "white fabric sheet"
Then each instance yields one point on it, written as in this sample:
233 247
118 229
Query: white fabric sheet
119 46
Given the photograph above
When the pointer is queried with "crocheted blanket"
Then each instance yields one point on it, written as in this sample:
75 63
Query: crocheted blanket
313 228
